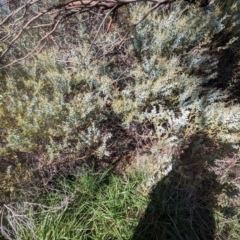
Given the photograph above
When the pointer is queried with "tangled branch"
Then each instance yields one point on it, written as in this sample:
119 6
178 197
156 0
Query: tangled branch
40 20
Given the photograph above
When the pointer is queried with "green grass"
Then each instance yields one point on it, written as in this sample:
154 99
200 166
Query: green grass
92 207
107 206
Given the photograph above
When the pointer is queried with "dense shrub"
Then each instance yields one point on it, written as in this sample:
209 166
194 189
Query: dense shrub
62 107
98 104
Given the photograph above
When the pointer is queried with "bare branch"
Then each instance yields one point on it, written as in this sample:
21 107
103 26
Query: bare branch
37 18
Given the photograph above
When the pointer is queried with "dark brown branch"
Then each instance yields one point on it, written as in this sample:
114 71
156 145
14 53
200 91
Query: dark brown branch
23 19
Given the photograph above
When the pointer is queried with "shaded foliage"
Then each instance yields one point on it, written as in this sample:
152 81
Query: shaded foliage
127 97
183 202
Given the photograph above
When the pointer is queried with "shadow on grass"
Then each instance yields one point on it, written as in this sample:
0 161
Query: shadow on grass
181 204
